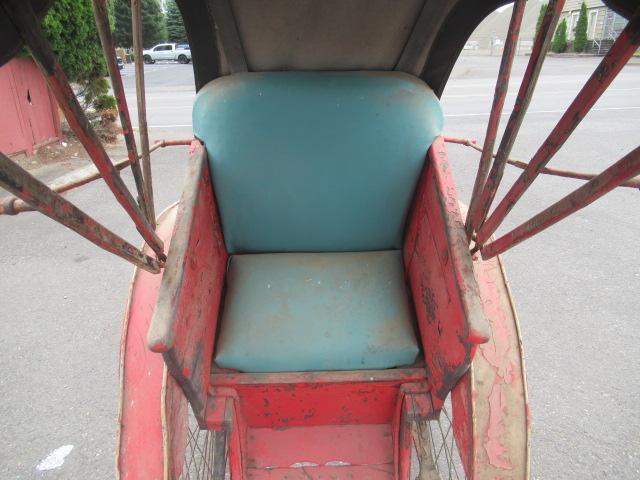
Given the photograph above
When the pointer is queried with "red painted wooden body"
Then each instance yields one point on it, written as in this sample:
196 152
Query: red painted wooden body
309 423
440 273
185 321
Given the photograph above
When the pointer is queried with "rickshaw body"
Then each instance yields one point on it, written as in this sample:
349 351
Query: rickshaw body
314 309
285 185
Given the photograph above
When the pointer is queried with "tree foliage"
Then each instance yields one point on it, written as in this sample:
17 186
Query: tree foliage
559 42
70 27
71 30
543 10
175 26
580 38
154 29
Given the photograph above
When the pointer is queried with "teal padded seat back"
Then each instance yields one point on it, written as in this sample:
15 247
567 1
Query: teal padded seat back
315 161
316 311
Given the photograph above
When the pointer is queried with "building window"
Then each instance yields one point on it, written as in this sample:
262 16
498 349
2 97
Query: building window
573 23
593 22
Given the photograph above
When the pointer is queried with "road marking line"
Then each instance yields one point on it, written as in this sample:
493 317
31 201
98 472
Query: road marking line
533 112
514 93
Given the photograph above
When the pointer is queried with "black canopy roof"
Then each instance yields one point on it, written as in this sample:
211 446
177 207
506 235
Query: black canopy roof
422 37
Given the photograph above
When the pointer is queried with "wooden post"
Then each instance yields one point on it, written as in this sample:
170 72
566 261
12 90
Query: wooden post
136 30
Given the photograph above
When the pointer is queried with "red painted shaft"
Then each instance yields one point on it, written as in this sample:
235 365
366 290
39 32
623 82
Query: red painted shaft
502 85
25 186
624 169
23 17
621 51
108 49
527 87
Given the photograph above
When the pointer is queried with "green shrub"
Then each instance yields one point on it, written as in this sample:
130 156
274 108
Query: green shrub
104 102
559 42
543 10
580 38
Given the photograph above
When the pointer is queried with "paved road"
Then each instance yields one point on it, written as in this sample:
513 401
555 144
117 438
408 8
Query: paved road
576 287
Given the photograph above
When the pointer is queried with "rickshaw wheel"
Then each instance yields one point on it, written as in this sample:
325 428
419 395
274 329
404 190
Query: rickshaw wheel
483 430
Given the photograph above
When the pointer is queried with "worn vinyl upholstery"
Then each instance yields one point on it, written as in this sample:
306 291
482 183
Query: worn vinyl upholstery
316 311
315 161
314 173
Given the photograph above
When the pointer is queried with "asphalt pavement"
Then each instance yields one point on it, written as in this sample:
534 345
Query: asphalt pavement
575 286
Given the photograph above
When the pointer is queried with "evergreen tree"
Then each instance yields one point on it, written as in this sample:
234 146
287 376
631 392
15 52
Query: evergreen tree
175 27
70 27
122 28
543 10
559 42
154 29
580 38
71 30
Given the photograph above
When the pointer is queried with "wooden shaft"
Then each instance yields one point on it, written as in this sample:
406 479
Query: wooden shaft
109 50
624 169
527 87
25 20
502 85
621 51
77 178
25 186
136 30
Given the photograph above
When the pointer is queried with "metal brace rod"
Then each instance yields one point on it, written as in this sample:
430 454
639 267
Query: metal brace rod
556 172
109 50
621 51
624 169
523 99
136 31
502 85
26 22
25 186
77 178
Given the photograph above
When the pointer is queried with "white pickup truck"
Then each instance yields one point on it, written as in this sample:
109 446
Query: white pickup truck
168 51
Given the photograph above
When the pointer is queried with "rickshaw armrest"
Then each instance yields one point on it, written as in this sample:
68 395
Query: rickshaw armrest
440 274
183 326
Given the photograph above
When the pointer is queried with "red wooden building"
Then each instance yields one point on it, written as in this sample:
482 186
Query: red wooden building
28 112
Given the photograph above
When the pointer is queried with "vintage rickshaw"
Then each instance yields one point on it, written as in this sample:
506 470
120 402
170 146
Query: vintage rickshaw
318 304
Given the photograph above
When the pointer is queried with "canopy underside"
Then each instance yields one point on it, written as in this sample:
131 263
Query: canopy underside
421 37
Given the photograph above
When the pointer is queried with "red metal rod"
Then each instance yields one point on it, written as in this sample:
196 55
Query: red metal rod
23 185
136 31
557 172
527 87
502 85
77 178
25 20
621 51
624 169
109 51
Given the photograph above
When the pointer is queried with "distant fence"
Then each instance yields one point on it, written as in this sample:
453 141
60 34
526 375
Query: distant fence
28 112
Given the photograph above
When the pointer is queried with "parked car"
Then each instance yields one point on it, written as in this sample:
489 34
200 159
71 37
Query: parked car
168 51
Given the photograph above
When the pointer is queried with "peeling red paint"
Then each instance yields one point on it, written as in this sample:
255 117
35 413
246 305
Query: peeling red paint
496 451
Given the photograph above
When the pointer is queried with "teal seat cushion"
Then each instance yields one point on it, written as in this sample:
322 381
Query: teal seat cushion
316 311
315 161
